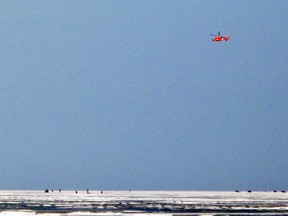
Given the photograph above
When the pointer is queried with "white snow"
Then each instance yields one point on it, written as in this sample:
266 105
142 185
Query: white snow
140 202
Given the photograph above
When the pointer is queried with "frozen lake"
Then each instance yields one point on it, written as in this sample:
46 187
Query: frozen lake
142 203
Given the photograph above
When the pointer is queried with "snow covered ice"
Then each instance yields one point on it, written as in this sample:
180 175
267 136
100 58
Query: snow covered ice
141 203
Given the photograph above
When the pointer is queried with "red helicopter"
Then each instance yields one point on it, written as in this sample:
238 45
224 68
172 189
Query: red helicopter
218 38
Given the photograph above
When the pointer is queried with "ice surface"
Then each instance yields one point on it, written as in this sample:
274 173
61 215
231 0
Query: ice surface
141 203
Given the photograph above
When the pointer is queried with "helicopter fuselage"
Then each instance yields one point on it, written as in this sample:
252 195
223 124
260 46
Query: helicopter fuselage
220 38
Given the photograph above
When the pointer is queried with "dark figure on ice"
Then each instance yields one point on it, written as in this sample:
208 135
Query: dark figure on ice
46 191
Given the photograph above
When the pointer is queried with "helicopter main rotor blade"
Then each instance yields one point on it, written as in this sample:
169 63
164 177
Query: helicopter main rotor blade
213 35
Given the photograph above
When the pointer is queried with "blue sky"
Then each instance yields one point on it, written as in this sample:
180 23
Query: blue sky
120 95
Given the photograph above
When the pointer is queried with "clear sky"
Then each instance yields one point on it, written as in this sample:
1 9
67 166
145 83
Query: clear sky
119 95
